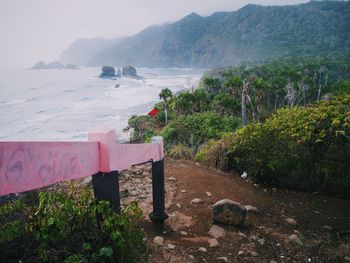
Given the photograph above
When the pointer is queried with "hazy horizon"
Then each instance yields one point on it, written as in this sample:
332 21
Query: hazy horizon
36 30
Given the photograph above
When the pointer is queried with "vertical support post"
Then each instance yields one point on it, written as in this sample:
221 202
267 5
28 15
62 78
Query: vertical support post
158 192
106 187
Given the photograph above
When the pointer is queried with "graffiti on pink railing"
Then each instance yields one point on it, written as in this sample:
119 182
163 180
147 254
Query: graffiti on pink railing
26 166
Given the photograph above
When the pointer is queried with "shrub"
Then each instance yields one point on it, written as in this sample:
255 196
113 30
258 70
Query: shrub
140 127
63 228
193 130
306 148
180 151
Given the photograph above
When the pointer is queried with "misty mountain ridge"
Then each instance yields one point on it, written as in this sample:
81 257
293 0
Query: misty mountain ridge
253 33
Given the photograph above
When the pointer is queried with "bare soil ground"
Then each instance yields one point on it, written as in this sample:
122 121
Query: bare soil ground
322 223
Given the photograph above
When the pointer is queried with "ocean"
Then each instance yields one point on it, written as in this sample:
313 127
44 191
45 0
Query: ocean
64 105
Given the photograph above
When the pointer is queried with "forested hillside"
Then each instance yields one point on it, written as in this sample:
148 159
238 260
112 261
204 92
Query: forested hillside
253 33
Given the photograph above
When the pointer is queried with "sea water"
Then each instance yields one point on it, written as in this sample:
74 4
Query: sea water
64 105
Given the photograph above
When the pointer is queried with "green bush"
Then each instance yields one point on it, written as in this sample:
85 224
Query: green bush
195 129
306 148
63 228
140 127
180 151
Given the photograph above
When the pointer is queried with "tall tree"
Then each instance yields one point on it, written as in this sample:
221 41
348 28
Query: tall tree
165 95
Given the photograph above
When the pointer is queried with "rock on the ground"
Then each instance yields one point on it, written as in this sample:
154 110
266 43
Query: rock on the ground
107 72
294 239
158 241
208 194
171 246
178 221
224 259
196 201
240 253
203 249
254 253
250 208
261 241
184 233
216 231
291 221
242 234
213 242
229 212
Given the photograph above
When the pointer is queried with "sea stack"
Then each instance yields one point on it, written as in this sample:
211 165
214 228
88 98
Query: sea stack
107 72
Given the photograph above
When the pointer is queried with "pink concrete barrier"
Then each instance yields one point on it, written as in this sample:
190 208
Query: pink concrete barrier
26 166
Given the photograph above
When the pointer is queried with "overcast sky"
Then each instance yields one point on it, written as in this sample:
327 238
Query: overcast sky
32 30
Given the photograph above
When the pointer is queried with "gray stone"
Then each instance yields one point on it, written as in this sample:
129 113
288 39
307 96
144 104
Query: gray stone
178 221
294 239
171 246
250 208
254 253
242 235
196 201
158 241
203 249
261 241
291 221
229 212
213 242
224 259
216 231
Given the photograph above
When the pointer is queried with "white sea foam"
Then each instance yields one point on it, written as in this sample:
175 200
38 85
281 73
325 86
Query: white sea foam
65 104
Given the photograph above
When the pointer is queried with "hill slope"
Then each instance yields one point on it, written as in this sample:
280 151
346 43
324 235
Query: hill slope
252 33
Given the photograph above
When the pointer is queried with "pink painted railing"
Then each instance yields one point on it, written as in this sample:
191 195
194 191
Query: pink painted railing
27 166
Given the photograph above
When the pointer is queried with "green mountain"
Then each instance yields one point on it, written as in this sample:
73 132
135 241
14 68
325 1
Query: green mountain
253 33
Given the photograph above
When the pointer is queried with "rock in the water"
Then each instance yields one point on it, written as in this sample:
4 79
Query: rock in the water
51 65
158 241
291 221
213 242
119 73
107 72
203 249
130 71
178 221
229 212
294 239
216 231
39 65
71 66
196 201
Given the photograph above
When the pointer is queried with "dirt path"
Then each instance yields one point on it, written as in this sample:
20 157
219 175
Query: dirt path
322 223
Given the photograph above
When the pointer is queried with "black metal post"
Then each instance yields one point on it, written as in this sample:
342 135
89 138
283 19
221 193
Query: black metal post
158 193
106 187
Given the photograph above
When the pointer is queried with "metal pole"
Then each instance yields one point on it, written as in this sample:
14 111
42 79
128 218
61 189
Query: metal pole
106 187
158 215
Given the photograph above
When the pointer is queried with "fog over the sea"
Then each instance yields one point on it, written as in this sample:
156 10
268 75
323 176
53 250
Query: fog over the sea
32 30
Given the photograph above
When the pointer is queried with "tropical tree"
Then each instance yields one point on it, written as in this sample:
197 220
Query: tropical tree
166 95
